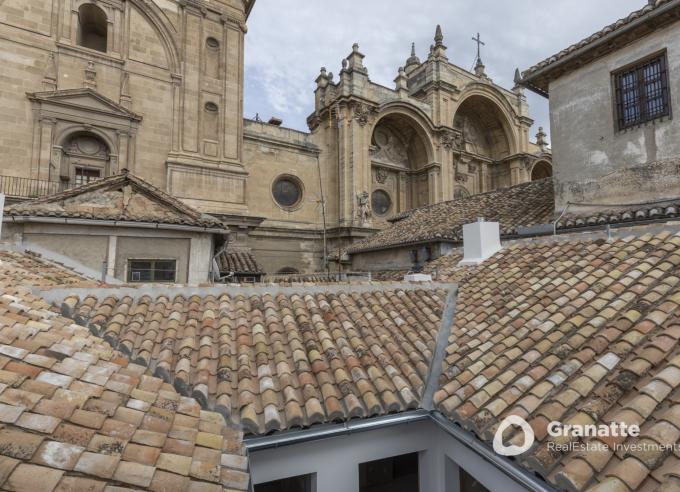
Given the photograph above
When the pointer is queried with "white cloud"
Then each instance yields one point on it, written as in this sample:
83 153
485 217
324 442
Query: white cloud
289 40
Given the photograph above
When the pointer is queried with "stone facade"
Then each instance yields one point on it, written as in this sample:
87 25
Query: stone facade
156 87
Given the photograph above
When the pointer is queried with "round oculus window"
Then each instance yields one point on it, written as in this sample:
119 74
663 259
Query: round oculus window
287 191
380 202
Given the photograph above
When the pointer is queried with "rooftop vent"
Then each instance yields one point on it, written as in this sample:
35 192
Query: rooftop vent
481 240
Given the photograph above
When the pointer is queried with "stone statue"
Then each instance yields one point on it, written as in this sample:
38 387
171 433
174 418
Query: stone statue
364 211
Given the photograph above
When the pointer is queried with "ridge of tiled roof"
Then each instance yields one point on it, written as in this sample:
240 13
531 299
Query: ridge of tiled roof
646 10
76 415
274 362
580 332
663 210
238 261
521 205
183 213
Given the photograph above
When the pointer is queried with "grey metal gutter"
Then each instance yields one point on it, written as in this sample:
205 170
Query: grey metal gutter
510 468
326 431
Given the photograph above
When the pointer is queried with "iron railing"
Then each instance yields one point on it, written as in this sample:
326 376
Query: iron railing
17 187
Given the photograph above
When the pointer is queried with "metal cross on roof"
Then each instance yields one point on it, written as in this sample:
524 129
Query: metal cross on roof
480 43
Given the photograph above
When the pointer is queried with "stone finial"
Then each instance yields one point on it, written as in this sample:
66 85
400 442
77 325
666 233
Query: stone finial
355 60
518 77
344 63
412 61
322 79
479 69
50 78
90 81
438 36
438 49
401 82
125 97
541 139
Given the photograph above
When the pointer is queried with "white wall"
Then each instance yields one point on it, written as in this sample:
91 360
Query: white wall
336 460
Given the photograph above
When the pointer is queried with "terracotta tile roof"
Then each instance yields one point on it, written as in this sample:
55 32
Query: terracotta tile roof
76 415
522 205
669 209
238 261
121 197
587 43
31 269
579 332
273 362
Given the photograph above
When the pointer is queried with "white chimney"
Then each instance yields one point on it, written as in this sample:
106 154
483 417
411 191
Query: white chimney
481 240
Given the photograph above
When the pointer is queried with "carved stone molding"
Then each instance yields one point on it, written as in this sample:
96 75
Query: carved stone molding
363 112
450 140
381 175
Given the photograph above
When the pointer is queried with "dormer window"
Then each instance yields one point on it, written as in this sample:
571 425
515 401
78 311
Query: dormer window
92 27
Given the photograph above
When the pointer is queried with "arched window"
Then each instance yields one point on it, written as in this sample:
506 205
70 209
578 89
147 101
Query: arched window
212 58
92 27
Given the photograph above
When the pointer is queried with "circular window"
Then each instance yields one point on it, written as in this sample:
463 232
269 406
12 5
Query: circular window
287 191
211 107
380 202
212 43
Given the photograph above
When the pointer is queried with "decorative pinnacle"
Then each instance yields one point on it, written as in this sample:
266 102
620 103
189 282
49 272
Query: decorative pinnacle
413 59
438 36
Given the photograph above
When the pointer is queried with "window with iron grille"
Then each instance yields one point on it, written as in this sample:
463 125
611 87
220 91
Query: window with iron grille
152 270
642 92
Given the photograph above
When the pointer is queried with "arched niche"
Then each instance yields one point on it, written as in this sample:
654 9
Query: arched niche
541 170
401 158
485 128
85 157
92 27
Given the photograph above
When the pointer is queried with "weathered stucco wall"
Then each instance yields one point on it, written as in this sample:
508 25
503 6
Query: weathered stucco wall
160 248
596 163
91 251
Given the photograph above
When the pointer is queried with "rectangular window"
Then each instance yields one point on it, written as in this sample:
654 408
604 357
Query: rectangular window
86 175
396 474
301 483
642 92
152 270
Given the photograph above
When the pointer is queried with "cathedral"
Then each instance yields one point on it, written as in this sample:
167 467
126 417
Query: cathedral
92 87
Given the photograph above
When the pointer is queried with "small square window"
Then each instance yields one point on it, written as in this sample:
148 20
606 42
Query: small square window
395 474
152 270
641 92
301 483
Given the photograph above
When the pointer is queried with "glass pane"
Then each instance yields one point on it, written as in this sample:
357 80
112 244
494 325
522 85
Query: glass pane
653 89
630 97
287 192
139 271
302 483
396 474
380 202
164 270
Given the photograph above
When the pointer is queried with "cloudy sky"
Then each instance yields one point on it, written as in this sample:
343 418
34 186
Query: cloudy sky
288 40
